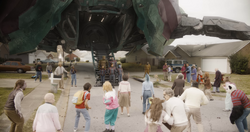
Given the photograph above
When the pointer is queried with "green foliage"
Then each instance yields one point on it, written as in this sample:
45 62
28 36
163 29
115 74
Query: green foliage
123 60
87 61
78 59
161 63
67 59
238 63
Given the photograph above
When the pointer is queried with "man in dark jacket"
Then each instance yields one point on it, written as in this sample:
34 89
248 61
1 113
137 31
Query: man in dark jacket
178 85
39 70
120 72
112 70
217 81
102 74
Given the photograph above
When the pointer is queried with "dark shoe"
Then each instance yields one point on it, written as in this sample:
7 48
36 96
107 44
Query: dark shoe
211 99
143 113
218 91
106 130
112 130
212 92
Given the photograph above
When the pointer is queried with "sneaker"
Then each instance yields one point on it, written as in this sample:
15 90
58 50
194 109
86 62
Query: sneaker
75 130
121 113
211 99
128 115
226 110
212 92
143 113
107 130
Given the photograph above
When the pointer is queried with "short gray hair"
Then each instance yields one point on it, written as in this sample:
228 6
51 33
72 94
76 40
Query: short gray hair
180 76
169 92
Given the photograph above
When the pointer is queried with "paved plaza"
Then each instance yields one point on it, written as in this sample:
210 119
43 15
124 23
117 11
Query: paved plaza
213 118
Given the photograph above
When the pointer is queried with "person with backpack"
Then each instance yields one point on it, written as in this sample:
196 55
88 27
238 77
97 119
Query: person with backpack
39 70
83 107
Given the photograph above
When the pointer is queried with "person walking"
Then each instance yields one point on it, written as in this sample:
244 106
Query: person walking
217 81
239 98
183 71
124 94
59 71
199 77
111 101
83 108
194 98
120 72
102 74
188 71
194 74
147 69
228 100
165 71
207 86
39 70
112 70
178 86
12 108
169 73
49 69
73 75
47 117
147 92
175 107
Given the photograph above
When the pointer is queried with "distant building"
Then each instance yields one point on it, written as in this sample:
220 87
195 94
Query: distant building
71 56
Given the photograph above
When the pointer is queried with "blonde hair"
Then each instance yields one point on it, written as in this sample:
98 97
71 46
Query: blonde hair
107 86
19 83
155 109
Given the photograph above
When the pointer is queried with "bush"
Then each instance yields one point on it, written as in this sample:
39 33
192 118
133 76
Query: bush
87 61
67 59
238 63
161 63
78 59
123 60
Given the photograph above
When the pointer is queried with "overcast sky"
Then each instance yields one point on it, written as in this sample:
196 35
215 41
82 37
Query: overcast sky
238 10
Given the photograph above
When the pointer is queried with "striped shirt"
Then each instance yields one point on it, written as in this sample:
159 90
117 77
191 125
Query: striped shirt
240 98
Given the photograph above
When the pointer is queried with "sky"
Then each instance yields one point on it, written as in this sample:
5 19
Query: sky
238 10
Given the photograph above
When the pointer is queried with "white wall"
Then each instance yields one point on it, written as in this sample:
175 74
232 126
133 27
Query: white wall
210 64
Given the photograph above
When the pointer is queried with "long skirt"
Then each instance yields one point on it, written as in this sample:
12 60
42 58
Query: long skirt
124 100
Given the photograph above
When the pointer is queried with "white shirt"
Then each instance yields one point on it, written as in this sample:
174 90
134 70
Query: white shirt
163 118
194 97
17 101
124 86
169 69
176 107
59 70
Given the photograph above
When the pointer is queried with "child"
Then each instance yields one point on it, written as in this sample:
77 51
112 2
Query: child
73 76
169 73
102 74
228 100
111 101
155 116
83 108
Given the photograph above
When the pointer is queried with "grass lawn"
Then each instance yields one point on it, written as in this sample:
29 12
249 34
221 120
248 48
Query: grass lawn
28 125
53 66
241 81
19 76
4 93
132 67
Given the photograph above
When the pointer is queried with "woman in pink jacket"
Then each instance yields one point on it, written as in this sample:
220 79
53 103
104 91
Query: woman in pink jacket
47 117
111 101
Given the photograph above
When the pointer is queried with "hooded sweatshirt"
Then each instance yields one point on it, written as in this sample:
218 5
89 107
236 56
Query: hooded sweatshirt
147 85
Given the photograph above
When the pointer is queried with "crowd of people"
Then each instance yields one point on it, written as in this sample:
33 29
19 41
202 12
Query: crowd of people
173 111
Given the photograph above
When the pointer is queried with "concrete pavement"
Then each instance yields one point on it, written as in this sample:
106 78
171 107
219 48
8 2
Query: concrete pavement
213 118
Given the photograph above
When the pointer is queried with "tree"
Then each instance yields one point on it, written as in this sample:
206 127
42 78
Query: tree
238 63
67 59
78 59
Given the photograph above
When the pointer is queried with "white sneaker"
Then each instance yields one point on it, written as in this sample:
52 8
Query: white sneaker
121 113
75 130
128 115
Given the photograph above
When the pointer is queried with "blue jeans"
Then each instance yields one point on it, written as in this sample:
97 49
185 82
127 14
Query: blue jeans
215 89
86 116
188 78
73 78
38 73
241 122
102 78
120 77
146 95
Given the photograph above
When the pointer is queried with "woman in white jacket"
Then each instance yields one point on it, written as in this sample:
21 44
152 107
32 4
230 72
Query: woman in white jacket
47 117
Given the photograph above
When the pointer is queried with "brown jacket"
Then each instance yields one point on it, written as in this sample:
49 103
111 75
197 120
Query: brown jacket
178 86
207 83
